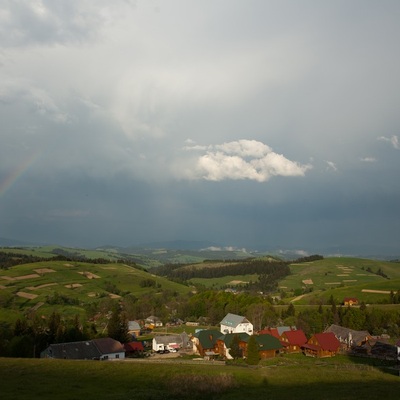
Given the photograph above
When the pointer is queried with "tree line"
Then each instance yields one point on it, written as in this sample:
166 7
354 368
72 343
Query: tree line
275 269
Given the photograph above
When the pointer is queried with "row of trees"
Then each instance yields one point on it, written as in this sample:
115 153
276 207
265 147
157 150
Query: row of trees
28 337
274 269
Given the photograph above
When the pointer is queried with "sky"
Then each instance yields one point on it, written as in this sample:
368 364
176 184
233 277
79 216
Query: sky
259 124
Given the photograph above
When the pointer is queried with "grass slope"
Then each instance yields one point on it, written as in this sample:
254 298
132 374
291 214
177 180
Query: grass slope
343 277
26 286
300 378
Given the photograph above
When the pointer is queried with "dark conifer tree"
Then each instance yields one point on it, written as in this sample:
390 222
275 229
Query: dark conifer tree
235 350
118 326
252 351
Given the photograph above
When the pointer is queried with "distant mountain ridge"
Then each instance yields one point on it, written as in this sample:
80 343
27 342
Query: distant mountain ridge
6 242
381 252
181 245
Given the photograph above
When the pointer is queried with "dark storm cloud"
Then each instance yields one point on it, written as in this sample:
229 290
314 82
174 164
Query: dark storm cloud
247 123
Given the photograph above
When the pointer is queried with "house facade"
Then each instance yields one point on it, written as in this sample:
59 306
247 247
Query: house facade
293 340
205 343
233 323
224 343
134 328
133 349
322 345
349 338
268 346
170 342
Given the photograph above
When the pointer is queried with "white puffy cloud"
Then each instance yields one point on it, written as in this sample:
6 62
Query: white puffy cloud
244 159
245 148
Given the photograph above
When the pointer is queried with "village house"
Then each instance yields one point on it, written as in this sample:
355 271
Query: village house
349 338
96 349
170 342
293 340
205 343
224 344
276 332
270 331
282 329
350 301
233 323
153 322
133 349
268 346
322 345
134 328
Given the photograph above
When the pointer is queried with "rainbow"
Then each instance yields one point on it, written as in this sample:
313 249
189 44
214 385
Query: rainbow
16 172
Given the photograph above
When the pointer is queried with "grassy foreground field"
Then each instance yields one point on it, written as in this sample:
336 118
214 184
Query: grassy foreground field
25 379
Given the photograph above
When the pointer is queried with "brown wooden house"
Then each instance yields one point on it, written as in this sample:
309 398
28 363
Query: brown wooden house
322 345
293 340
225 341
205 342
268 346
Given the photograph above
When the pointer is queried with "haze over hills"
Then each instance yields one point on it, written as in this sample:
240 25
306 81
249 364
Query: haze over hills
220 250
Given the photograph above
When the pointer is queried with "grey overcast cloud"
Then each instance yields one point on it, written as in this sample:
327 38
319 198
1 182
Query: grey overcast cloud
257 124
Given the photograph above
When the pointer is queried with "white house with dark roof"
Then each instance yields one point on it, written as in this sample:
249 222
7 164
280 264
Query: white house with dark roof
233 323
168 342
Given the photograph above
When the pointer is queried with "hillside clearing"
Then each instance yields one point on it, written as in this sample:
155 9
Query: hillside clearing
25 295
375 291
44 270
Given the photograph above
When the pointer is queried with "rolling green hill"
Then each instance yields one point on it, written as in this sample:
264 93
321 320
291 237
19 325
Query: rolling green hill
73 285
368 280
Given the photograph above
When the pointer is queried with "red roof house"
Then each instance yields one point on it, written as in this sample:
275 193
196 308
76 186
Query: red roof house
322 345
293 340
270 331
133 349
350 301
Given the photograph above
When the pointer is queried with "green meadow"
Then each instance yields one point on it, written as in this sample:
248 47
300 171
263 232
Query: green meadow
341 277
229 280
331 272
283 378
26 287
314 282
